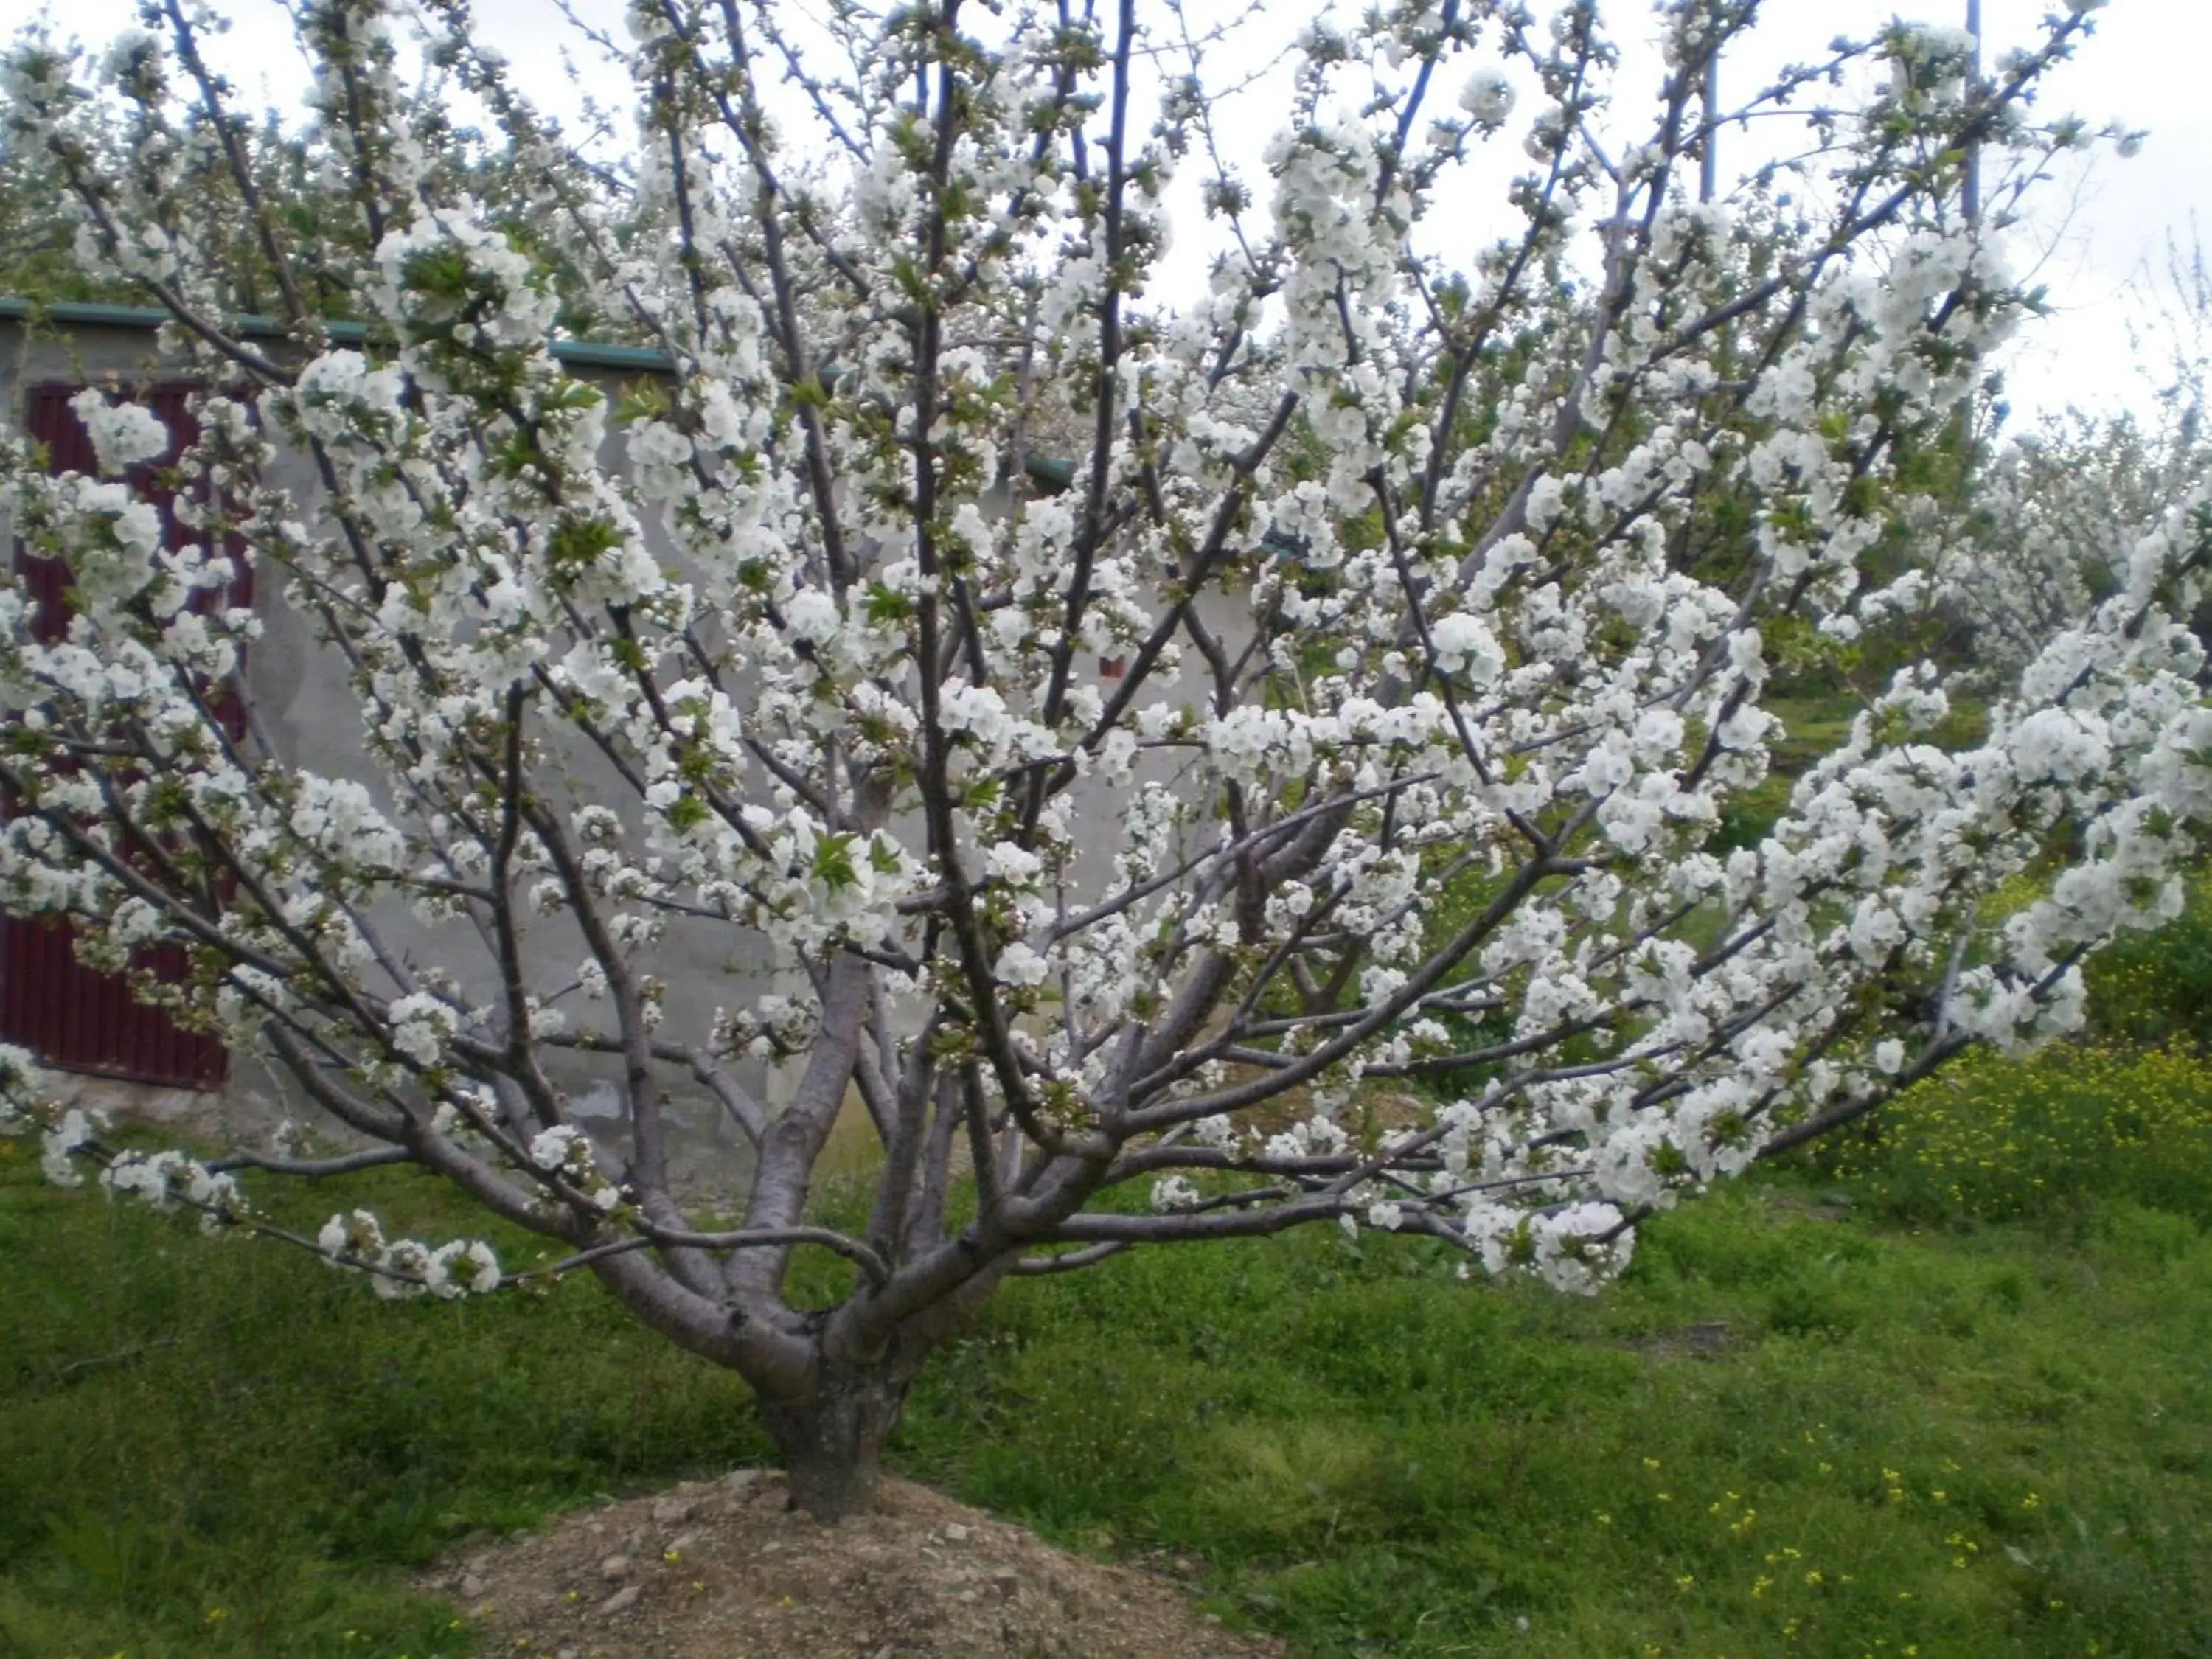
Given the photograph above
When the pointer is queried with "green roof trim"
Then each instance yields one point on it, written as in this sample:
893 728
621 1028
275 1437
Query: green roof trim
77 311
1053 472
593 354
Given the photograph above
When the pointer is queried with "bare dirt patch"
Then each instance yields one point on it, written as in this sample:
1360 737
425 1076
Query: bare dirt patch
725 1571
1710 1340
1799 1208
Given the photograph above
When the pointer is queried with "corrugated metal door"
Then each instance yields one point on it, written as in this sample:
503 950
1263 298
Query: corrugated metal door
69 1016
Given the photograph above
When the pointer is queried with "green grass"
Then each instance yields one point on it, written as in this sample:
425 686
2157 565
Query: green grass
217 1447
1953 1443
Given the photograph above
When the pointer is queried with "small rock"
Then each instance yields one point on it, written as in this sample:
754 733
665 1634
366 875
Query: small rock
622 1601
615 1566
667 1511
741 1481
472 1586
566 1653
682 1541
956 1532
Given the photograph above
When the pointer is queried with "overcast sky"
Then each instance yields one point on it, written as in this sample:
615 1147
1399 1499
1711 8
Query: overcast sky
2101 233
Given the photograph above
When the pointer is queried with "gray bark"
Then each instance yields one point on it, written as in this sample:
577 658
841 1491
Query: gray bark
831 1439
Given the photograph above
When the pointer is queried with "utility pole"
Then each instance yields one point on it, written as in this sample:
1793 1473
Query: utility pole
1708 150
1972 198
1970 201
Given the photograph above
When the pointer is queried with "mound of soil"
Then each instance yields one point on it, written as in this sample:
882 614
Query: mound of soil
725 1571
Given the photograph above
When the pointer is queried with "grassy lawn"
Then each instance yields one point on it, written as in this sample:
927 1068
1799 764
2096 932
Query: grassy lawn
1784 1433
216 1446
1795 1428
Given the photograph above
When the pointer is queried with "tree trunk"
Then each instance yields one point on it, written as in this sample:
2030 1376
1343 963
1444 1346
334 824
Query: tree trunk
831 1441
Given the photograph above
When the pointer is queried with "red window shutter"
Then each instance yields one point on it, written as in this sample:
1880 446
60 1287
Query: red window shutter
69 1016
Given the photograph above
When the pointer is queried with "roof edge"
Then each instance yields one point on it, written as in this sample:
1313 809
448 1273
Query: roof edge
588 353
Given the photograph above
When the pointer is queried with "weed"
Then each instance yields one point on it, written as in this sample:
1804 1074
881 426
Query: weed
2048 1138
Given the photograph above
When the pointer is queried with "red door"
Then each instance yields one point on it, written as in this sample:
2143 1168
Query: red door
69 1016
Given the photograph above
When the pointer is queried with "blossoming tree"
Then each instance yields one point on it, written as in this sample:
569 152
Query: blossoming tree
1404 531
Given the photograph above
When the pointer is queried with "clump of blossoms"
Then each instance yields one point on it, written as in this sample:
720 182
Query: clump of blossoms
72 1138
1111 735
398 1268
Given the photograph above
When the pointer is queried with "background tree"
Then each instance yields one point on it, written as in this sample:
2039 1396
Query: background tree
1431 708
2061 506
255 198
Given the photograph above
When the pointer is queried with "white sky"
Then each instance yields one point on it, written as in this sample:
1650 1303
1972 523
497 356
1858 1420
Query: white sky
2099 235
